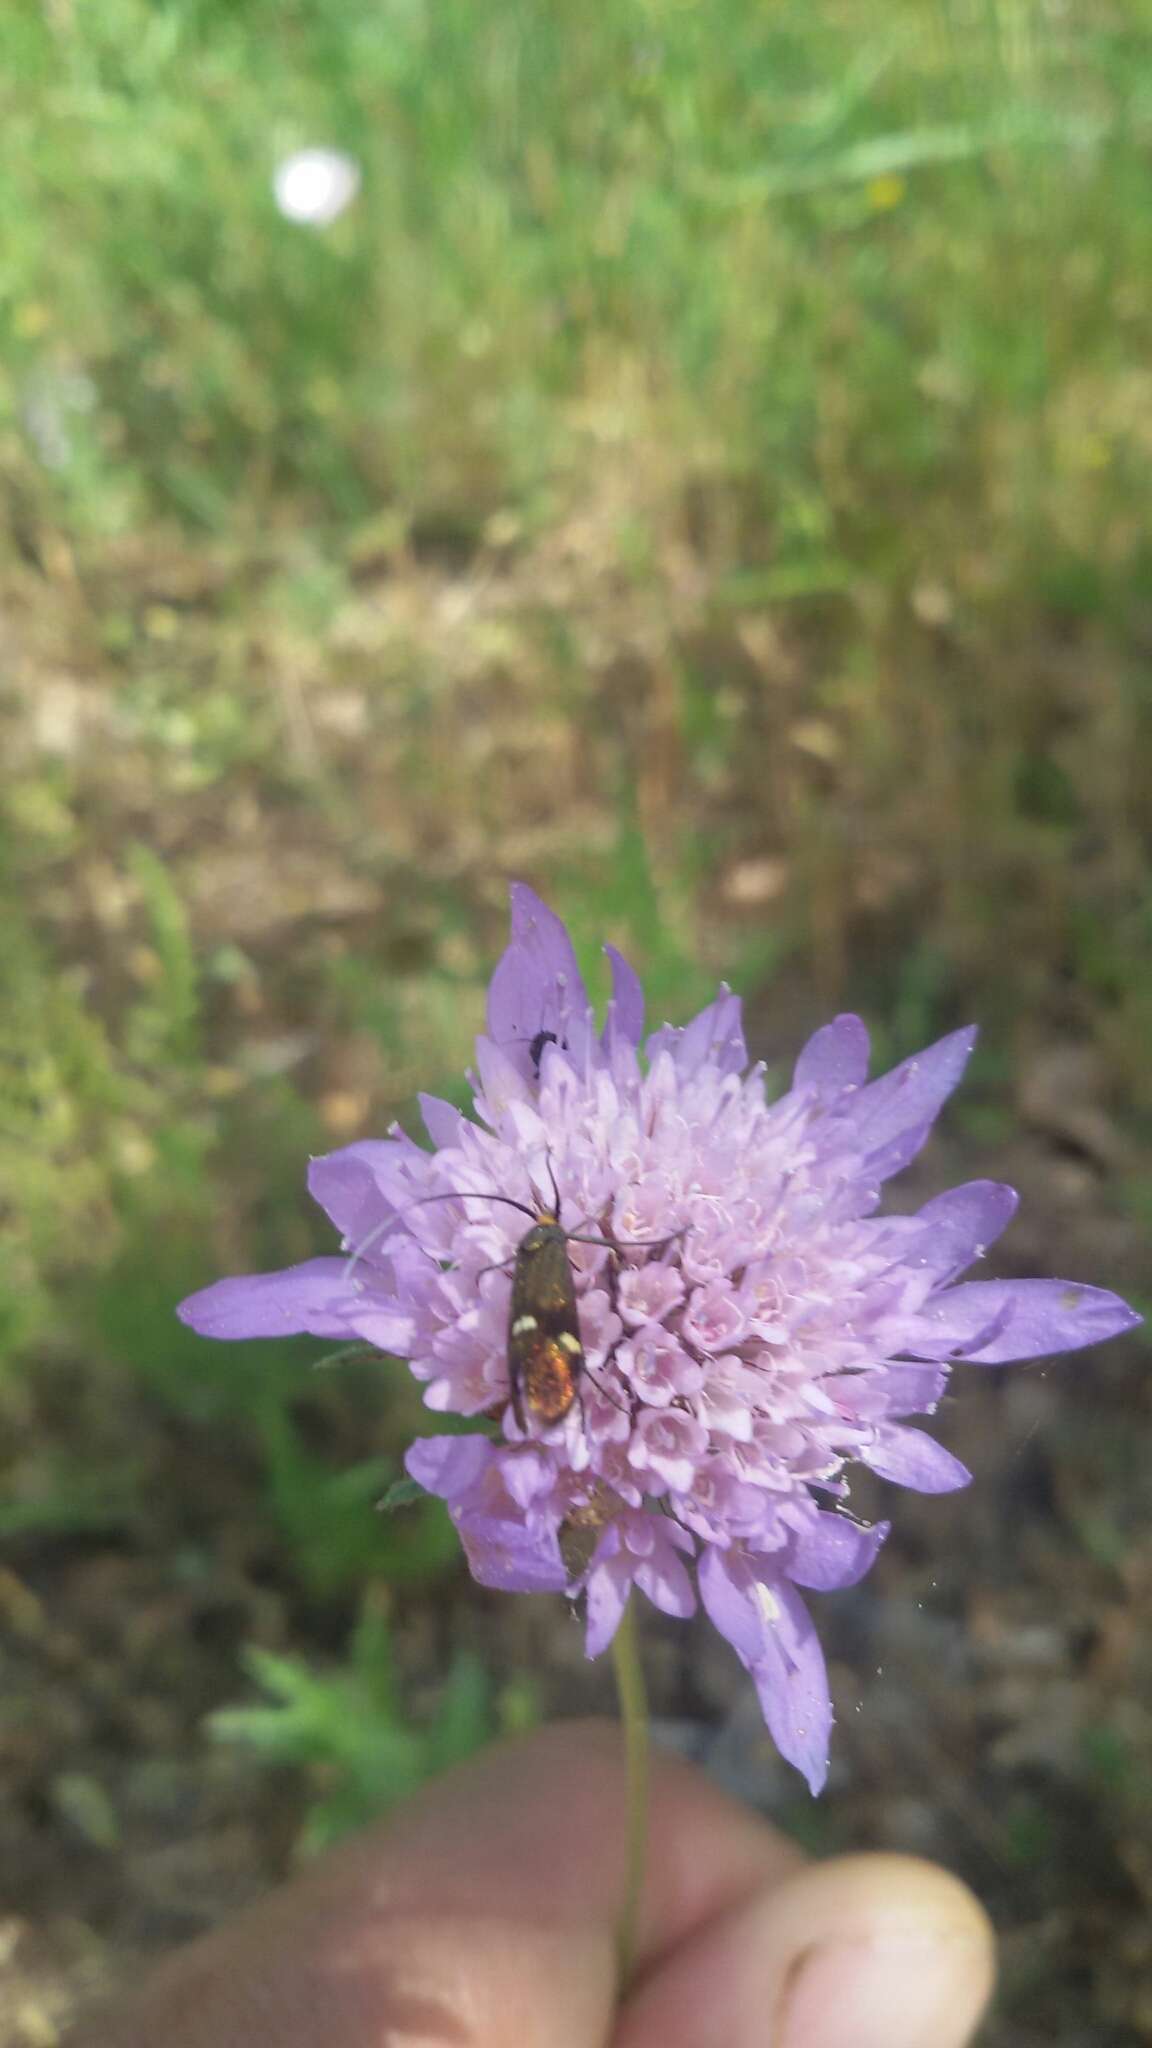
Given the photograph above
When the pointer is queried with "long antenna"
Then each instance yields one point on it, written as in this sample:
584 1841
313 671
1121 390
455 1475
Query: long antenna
421 1202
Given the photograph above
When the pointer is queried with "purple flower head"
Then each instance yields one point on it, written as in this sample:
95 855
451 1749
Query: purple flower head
750 1325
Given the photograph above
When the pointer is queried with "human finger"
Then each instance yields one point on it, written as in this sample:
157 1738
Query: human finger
879 1951
483 1915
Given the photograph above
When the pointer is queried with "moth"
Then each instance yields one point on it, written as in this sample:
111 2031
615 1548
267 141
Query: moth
545 1353
545 1349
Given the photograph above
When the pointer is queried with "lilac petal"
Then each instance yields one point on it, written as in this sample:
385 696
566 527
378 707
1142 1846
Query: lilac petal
894 1157
543 934
448 1466
956 1321
833 1552
911 1458
527 1475
313 1299
913 1389
691 1043
771 1631
773 1635
628 996
730 1050
835 1058
537 984
442 1121
606 1597
957 1227
347 1185
891 1118
715 1035
792 1683
663 1578
387 1328
730 1603
505 1076
511 1558
517 994
1035 1318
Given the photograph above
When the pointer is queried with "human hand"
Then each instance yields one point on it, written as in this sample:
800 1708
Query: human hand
482 1915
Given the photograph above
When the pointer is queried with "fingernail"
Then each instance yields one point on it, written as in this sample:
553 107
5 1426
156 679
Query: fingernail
912 1988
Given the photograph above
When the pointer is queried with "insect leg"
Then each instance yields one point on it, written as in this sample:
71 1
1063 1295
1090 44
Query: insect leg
601 1389
497 1266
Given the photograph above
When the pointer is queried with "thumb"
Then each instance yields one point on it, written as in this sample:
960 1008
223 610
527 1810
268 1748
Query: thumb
878 1951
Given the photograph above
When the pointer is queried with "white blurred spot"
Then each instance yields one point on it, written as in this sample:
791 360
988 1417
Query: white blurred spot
313 186
51 401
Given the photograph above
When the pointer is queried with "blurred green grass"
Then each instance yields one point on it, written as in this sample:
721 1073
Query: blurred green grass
705 471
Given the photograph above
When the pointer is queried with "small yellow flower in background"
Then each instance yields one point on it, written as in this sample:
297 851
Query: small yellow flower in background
886 192
31 320
161 622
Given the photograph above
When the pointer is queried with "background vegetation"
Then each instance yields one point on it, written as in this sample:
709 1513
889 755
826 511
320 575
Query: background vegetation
706 473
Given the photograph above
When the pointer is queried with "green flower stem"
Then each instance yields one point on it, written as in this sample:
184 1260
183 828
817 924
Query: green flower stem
634 1716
